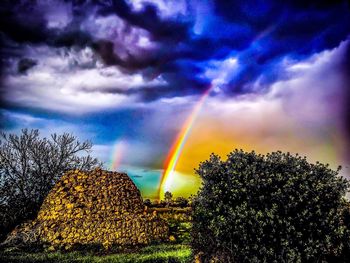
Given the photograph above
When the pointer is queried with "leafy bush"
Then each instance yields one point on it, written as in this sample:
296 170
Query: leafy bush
180 231
179 221
273 208
30 166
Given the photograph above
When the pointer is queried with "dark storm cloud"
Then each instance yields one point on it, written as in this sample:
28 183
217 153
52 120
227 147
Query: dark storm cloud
148 19
24 22
24 64
294 29
105 49
260 34
263 32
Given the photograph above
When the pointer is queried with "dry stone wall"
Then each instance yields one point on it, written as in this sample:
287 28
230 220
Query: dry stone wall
97 207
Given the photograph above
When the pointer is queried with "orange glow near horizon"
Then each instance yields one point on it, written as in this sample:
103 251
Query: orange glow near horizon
263 129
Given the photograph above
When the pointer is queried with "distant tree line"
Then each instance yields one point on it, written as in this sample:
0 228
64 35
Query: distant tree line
169 201
29 167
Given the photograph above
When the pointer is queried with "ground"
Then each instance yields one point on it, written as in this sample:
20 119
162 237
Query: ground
174 253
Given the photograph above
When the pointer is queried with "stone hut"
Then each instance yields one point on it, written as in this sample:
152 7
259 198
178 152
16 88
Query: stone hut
97 207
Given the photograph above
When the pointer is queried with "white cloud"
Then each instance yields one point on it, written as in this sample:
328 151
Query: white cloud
127 39
72 81
166 9
57 13
301 114
221 71
314 92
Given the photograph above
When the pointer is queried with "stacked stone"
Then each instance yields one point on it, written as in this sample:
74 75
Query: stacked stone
97 207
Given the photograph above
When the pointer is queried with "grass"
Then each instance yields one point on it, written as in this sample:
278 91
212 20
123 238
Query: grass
155 253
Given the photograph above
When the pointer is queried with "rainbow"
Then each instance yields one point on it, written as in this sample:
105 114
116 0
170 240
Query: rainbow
117 154
176 149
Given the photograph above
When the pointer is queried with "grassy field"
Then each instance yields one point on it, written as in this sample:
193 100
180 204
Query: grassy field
155 253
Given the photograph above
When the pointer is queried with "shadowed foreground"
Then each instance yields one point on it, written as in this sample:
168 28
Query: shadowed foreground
156 253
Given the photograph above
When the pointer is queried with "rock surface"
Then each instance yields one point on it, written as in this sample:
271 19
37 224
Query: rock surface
97 207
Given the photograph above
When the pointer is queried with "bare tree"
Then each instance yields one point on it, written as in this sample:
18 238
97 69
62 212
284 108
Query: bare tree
30 166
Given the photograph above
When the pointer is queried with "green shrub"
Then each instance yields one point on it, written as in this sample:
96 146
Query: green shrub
180 230
273 208
179 221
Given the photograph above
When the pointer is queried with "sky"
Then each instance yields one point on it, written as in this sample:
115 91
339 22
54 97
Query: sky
158 85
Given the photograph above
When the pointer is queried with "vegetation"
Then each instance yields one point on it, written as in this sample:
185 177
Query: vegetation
179 221
178 215
30 166
250 208
168 201
168 197
181 202
147 202
273 208
154 254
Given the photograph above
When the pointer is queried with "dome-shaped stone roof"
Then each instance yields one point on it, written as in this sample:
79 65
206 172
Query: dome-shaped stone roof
97 207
